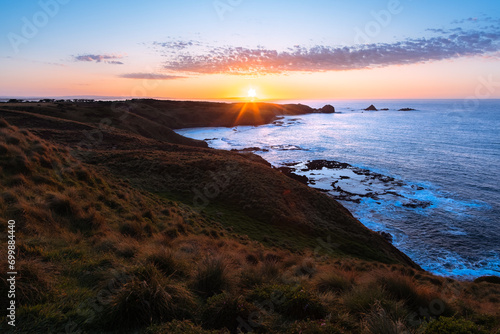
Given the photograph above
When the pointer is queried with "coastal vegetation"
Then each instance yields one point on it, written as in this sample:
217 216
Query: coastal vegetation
122 225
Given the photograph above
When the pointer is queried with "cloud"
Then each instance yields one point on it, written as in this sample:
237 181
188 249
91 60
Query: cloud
445 44
467 20
177 45
108 59
150 76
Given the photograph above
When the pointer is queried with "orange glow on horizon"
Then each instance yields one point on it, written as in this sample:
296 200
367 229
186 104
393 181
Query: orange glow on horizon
443 79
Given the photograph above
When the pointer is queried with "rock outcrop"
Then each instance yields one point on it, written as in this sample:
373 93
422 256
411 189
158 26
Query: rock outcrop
328 109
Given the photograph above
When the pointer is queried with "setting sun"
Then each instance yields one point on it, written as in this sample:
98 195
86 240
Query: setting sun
252 93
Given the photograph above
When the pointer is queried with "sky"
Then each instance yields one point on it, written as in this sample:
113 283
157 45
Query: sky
222 49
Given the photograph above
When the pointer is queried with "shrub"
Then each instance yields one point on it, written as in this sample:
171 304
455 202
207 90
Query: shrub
132 229
63 205
211 277
404 288
294 302
333 282
166 261
19 164
378 321
362 297
306 268
252 259
147 299
453 326
270 269
226 311
92 221
250 277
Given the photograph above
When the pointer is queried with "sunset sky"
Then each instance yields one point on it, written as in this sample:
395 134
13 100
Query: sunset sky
283 49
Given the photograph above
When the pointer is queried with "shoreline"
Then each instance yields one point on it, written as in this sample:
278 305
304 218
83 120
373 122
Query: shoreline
346 190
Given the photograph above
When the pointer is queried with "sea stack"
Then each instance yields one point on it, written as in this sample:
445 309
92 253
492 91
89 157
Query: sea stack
371 108
328 109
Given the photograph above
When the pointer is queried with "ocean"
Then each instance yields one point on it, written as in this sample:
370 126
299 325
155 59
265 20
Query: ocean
429 177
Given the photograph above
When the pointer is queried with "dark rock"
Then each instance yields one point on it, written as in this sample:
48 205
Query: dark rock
328 109
371 108
406 109
387 236
289 172
384 109
414 204
488 279
250 149
319 164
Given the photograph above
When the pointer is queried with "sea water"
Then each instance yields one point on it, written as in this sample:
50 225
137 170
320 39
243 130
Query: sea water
429 176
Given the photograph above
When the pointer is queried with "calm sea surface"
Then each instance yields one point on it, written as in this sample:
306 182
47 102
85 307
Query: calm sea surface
442 200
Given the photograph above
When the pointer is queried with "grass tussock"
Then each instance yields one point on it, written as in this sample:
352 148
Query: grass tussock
33 285
292 301
168 262
148 298
226 311
362 298
212 276
334 281
379 321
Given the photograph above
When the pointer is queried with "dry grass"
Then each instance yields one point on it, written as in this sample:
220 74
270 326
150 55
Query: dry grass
378 321
34 282
148 298
212 276
78 225
334 281
168 261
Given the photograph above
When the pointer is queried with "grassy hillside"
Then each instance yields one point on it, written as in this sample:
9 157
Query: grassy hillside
129 232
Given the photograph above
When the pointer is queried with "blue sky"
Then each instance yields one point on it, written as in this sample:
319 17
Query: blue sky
133 37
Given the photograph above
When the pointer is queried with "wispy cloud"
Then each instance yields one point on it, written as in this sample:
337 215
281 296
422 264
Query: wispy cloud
107 58
442 44
150 76
177 45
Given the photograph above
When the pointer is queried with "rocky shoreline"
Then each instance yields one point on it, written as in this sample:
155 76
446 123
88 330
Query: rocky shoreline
350 183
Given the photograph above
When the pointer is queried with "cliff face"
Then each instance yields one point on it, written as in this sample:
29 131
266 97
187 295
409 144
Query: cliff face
241 190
